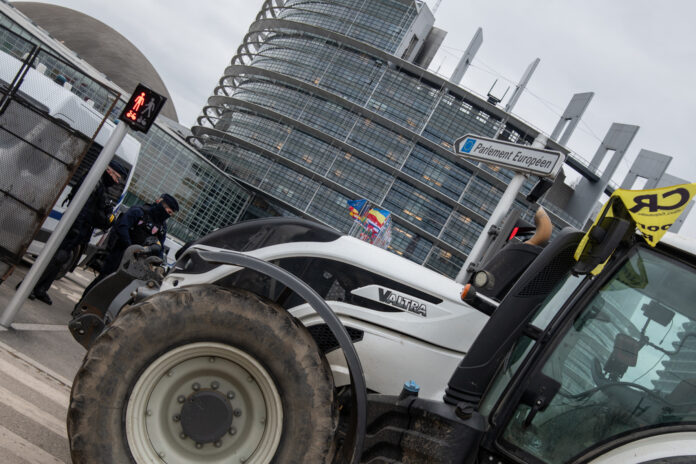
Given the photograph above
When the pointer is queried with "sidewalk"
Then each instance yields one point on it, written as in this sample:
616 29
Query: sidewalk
39 334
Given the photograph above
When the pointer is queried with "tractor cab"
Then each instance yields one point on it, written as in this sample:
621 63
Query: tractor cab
591 352
605 362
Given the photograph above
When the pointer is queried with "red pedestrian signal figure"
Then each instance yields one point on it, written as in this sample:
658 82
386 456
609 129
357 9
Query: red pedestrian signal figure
142 108
137 103
139 100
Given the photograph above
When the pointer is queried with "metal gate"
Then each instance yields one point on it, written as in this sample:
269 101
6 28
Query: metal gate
42 140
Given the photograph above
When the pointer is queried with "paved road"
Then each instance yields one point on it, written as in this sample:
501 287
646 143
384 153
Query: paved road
38 360
33 406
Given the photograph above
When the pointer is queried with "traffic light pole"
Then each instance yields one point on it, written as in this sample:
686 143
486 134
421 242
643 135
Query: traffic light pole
64 225
504 205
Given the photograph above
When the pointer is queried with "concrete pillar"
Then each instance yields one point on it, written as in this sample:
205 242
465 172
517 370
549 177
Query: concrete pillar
571 117
521 85
468 57
588 193
648 165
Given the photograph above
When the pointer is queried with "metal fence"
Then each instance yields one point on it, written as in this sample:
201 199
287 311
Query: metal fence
43 139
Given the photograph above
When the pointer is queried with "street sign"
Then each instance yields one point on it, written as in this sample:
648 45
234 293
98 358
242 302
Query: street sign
142 108
520 158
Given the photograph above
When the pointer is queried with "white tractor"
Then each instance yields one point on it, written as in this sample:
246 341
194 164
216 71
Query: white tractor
283 341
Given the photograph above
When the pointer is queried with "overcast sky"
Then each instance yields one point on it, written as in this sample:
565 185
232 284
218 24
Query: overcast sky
637 56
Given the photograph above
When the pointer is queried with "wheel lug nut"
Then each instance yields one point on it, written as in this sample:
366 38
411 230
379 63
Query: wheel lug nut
199 445
182 435
230 395
181 398
196 386
161 454
218 444
237 412
215 385
211 359
176 418
148 412
233 431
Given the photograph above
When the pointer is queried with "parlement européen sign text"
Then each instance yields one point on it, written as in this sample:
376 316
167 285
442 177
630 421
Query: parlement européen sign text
543 163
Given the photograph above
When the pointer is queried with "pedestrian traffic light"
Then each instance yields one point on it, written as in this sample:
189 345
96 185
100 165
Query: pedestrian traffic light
142 108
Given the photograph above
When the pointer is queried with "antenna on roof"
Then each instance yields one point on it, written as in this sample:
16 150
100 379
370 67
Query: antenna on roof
492 98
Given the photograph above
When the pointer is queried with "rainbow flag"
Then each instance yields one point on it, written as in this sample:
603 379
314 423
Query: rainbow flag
355 208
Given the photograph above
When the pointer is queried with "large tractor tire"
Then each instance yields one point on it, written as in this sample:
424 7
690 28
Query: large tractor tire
203 374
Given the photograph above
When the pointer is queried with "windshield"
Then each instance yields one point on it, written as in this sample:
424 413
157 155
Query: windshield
626 363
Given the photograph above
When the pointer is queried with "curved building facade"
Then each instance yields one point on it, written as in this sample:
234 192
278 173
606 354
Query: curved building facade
322 104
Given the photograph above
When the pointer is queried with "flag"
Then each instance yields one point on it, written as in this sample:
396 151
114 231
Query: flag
653 212
355 208
376 218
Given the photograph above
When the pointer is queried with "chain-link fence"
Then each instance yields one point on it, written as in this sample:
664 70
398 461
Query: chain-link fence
46 127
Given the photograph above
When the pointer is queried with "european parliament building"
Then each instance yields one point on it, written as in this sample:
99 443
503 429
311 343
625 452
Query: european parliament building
328 101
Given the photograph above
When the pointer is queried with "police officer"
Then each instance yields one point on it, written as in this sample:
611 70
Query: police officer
96 213
134 228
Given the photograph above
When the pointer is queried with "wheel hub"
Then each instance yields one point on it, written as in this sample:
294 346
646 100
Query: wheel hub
206 416
204 402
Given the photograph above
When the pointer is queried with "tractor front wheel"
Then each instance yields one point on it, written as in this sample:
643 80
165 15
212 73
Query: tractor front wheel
203 374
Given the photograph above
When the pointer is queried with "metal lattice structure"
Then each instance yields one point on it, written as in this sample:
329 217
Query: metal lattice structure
39 150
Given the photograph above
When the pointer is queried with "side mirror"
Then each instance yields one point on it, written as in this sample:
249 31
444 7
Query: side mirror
538 395
604 238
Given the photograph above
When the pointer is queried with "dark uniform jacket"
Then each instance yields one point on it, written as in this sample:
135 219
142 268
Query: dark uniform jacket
135 226
94 214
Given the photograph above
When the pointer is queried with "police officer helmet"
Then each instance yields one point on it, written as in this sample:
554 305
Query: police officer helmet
170 201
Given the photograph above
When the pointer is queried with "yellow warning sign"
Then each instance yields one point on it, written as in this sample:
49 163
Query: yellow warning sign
653 211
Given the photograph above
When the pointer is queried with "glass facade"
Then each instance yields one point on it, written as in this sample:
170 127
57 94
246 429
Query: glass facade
311 118
208 197
381 24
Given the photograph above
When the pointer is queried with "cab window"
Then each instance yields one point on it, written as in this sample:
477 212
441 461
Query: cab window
541 319
625 363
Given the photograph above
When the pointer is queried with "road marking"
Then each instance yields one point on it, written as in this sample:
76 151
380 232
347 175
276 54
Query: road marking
36 383
24 449
40 327
35 364
32 412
